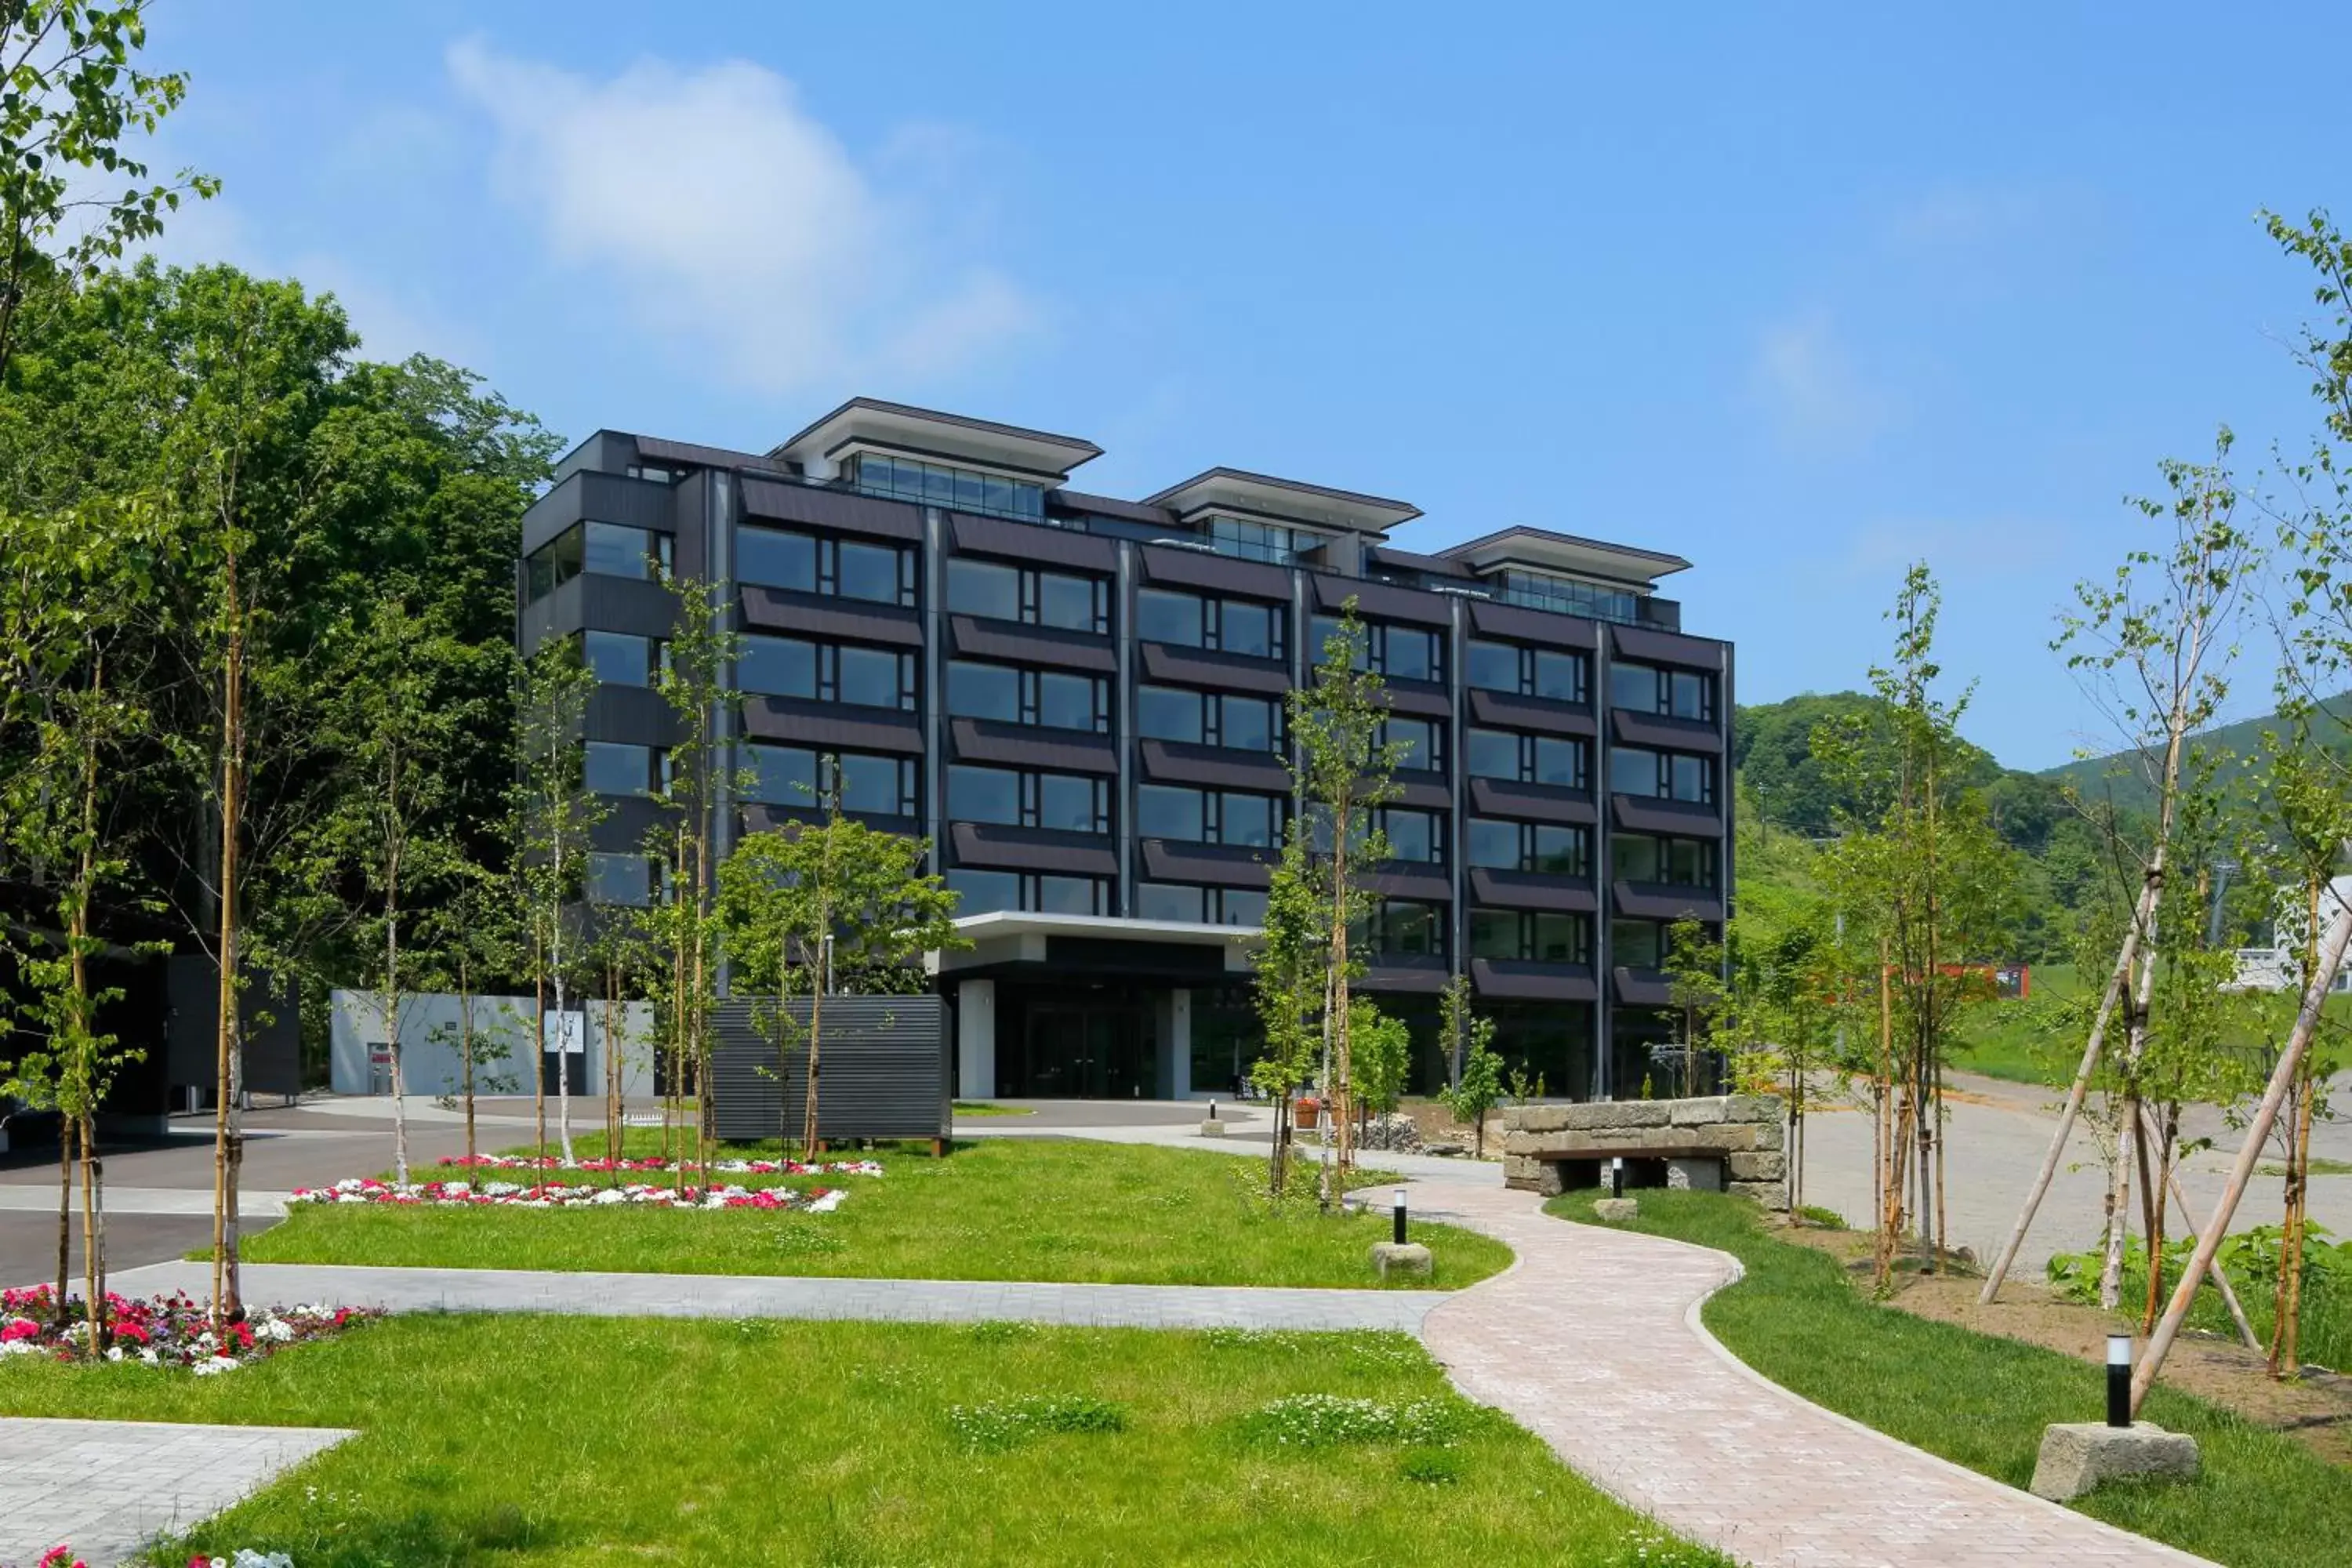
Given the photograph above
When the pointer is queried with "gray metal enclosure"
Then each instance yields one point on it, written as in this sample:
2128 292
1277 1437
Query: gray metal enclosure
882 1070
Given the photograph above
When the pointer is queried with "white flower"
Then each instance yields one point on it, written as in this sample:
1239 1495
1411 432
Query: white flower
216 1364
275 1329
18 1347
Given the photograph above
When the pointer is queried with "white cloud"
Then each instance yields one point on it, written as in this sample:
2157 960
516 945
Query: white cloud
1809 387
738 222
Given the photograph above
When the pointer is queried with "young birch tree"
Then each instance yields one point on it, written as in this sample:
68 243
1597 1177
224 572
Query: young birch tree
559 817
1341 769
1290 987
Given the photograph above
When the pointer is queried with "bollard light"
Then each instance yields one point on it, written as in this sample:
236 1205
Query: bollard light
1213 1110
1399 1217
1617 1177
2119 1371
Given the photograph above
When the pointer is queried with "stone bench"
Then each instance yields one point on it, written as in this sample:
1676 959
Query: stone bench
1730 1143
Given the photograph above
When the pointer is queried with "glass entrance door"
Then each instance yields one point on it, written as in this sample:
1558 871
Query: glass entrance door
1089 1049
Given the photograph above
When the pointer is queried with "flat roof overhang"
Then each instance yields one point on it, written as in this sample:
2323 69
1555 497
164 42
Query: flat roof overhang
1262 496
1011 937
1546 551
928 432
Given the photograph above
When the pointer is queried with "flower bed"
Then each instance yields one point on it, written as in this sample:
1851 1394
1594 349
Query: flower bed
63 1557
173 1331
730 1167
568 1195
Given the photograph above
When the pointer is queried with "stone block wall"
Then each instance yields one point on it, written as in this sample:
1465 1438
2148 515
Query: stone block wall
1550 1149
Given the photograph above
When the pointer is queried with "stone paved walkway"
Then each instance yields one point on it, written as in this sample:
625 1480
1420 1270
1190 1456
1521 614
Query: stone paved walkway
754 1296
1592 1341
109 1487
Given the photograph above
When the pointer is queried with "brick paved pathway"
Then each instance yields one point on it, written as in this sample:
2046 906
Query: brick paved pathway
109 1487
1592 1341
753 1296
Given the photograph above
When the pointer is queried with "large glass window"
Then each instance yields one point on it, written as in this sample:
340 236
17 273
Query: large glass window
1067 896
620 878
1415 836
938 484
1166 811
1528 759
1407 653
983 794
615 767
1248 724
1567 596
552 564
612 551
1493 755
1164 616
781 775
882 573
1248 541
983 892
1036 598
619 658
879 786
1544 847
1212 906
1232 626
1637 945
771 558
1067 802
1069 701
1249 628
1650 688
1073 603
983 588
1207 817
797 776
1667 775
874 678
1168 714
1674 862
1530 936
1559 762
1544 672
1247 819
983 690
777 666
1422 739
1401 927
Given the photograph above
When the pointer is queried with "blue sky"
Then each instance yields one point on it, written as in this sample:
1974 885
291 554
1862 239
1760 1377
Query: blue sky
1801 297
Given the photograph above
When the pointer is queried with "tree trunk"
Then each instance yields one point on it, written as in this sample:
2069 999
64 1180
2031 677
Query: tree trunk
229 1121
613 1124
2291 1244
466 1053
93 1266
2111 1265
816 1041
1341 1089
2218 1274
65 1217
539 1041
391 1035
2155 1153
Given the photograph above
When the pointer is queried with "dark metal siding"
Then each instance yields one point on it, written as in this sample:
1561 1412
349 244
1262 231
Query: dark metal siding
883 1070
1539 627
607 498
774 502
1032 543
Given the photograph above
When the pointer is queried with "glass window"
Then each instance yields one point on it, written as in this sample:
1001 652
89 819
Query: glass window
777 666
619 658
1689 863
1240 907
781 775
1413 835
1169 901
614 551
1494 754
873 572
1408 653
619 878
1073 603
983 588
1256 541
1247 819
771 558
1560 851
1401 927
1164 616
552 564
983 794
1323 629
904 479
1635 686
1560 762
1637 945
1166 713
1565 595
1560 675
939 484
872 677
1633 770
613 767
882 786
1069 701
995 494
1494 666
1163 811
1693 696
982 891
1069 895
971 490
1253 629
983 690
1071 804
1558 939
1693 778
1635 858
1246 723
1494 933
1494 844
1419 737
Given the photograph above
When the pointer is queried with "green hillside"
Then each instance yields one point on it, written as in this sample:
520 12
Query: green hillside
2125 777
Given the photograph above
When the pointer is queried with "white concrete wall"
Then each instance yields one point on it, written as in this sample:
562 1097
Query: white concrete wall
504 1062
975 1014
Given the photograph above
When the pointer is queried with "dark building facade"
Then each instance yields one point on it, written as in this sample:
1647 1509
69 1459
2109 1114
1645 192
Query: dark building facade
1079 700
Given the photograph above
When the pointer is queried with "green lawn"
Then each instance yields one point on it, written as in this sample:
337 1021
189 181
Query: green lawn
2265 1500
535 1442
995 1209
983 1108
2017 1040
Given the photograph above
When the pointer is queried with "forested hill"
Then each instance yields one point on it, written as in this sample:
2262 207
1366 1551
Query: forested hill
1772 750
2125 778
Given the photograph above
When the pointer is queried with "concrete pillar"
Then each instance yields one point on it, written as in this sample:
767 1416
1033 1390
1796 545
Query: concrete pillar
1180 1043
976 1039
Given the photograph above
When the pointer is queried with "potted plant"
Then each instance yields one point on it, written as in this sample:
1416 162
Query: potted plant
1303 1110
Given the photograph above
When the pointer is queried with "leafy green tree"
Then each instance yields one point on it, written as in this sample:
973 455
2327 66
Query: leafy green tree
472 935
799 901
1290 987
1383 1050
1696 992
1343 767
1478 1086
71 98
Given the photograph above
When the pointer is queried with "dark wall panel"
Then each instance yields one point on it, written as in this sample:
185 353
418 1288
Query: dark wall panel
882 1070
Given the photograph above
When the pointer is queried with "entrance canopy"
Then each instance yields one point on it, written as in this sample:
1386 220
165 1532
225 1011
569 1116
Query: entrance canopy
1179 952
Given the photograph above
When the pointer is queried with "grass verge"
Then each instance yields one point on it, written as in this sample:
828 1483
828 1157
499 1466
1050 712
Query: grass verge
997 1209
533 1441
2263 1501
985 1108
